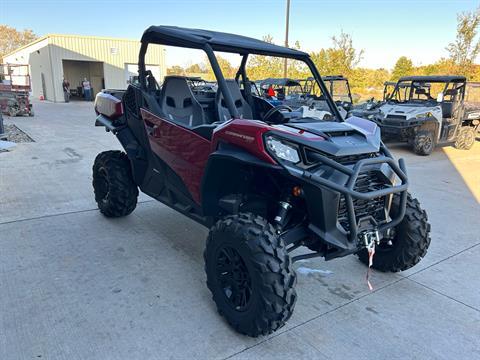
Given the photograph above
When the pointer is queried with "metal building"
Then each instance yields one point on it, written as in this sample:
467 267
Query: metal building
105 62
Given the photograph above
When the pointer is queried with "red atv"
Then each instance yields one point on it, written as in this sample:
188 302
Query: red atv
266 180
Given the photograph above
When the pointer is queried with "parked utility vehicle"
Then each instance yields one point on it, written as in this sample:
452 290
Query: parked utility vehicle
371 107
339 89
427 111
265 180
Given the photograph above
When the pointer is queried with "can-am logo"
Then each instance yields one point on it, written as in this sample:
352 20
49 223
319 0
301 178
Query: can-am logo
241 136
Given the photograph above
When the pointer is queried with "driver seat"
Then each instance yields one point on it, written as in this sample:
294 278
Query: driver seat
447 106
243 108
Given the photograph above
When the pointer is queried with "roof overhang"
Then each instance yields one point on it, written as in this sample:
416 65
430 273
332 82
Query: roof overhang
433 78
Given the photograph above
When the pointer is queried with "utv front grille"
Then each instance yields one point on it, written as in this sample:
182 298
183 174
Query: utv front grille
374 208
344 160
396 117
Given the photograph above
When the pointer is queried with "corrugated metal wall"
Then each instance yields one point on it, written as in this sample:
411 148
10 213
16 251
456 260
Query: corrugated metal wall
37 56
114 53
46 57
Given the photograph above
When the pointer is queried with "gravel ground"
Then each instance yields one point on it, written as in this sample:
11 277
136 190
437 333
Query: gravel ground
14 134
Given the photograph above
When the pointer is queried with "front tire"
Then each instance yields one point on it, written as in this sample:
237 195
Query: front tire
115 191
409 243
466 138
249 274
423 143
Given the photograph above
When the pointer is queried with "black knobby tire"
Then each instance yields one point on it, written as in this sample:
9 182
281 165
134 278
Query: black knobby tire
466 138
424 142
409 244
115 191
262 266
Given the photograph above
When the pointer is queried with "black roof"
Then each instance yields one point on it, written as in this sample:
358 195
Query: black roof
435 78
279 82
333 77
219 41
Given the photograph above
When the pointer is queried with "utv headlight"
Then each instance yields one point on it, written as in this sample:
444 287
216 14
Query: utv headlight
282 150
427 114
473 115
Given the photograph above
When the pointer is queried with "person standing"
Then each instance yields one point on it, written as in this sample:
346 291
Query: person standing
66 90
87 89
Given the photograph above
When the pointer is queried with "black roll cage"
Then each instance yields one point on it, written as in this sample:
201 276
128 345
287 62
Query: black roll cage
409 84
222 85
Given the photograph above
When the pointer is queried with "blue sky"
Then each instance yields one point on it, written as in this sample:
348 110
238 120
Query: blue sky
385 30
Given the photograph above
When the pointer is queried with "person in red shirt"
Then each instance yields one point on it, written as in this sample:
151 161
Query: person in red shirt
270 91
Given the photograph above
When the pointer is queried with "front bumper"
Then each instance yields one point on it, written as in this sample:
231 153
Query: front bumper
399 128
330 183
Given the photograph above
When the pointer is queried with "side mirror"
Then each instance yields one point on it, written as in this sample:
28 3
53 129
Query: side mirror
440 97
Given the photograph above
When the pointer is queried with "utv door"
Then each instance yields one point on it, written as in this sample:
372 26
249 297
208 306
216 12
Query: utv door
453 111
183 151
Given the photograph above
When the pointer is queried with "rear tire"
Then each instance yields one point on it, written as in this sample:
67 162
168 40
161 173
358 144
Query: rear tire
115 191
249 274
466 138
410 243
423 143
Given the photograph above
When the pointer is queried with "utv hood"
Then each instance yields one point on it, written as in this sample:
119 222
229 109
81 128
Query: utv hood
351 137
409 111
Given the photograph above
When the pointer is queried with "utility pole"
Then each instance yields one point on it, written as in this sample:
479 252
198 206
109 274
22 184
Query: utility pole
286 37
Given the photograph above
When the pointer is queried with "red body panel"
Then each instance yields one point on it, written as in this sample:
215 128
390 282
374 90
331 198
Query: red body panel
187 152
183 150
247 134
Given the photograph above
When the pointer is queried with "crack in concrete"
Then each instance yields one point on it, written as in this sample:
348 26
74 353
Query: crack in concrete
60 214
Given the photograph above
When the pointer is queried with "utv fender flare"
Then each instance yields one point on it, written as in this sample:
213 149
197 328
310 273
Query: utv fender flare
134 152
224 167
429 124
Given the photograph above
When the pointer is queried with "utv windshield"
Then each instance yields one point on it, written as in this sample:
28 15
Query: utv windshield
340 90
428 89
418 91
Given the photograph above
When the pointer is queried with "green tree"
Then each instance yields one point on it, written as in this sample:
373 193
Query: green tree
175 70
341 59
11 39
466 47
403 67
194 69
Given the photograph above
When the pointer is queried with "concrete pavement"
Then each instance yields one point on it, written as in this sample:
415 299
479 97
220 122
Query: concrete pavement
76 285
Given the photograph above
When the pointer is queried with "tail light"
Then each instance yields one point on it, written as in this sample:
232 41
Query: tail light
108 105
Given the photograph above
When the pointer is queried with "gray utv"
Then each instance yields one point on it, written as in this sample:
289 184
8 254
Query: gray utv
427 111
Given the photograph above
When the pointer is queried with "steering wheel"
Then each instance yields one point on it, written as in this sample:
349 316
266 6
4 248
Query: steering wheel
274 110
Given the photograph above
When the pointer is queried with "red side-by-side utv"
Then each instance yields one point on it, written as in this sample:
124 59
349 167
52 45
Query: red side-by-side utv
272 184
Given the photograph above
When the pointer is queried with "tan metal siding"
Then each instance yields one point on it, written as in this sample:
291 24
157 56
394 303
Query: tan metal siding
55 48
112 52
38 58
